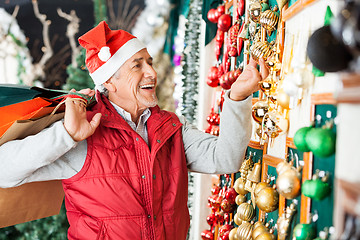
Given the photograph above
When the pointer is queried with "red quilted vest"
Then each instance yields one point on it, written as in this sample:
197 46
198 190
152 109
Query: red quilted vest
127 189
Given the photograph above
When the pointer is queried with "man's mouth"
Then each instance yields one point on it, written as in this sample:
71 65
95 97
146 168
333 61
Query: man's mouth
148 86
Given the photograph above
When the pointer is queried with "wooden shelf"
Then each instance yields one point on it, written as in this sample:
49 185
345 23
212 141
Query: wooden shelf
351 89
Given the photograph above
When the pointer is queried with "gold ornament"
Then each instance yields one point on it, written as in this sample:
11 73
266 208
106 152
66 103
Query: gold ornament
266 235
255 11
259 109
246 211
240 199
244 231
269 20
259 228
239 186
233 235
273 125
267 199
283 99
237 219
260 50
284 222
288 181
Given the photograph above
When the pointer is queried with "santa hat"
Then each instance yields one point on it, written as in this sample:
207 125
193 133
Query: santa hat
107 50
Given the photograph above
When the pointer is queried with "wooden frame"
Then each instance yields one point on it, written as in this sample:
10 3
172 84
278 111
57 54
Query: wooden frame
351 89
296 8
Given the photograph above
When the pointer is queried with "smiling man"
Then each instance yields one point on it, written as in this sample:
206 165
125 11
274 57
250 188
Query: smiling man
124 163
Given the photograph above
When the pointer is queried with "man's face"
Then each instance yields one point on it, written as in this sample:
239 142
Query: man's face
135 82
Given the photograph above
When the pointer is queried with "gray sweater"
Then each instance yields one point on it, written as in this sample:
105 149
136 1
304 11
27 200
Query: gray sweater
53 154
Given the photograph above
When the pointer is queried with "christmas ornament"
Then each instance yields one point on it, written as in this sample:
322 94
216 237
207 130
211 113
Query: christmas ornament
224 231
304 231
281 3
207 235
259 228
233 35
238 221
233 235
266 235
273 125
288 181
259 109
269 20
283 99
246 211
299 139
255 11
321 141
316 188
240 39
240 199
213 15
253 177
260 186
267 199
213 77
239 186
260 50
224 22
244 231
284 221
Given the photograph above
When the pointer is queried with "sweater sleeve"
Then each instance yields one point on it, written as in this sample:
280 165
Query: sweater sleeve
206 153
49 155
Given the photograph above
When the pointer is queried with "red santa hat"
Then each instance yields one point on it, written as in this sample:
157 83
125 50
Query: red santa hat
107 50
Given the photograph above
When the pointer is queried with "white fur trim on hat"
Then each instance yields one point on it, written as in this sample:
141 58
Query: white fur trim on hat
104 72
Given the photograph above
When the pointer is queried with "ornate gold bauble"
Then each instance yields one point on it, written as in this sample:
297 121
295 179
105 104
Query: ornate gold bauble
260 186
259 109
255 11
233 235
274 124
260 50
240 199
267 85
288 181
267 199
239 186
244 231
246 211
269 20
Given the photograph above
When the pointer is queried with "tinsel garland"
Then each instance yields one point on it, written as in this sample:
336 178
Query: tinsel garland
191 61
190 74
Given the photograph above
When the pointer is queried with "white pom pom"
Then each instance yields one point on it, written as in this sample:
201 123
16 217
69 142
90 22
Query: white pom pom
104 54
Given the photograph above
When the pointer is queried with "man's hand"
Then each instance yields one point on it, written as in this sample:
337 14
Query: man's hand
75 121
248 81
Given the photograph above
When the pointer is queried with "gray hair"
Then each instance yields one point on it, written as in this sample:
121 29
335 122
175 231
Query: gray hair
102 89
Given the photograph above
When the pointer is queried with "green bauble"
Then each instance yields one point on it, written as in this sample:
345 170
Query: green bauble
299 139
315 189
321 142
304 231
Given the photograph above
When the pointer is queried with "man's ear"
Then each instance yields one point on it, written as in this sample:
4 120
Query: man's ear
110 86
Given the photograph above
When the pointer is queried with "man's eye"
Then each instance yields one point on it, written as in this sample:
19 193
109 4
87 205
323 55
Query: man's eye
136 66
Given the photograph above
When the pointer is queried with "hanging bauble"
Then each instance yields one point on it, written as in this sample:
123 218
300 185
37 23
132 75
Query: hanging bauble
267 235
224 22
274 124
230 195
227 206
267 85
260 50
259 109
283 99
212 15
260 186
210 219
213 77
224 231
284 222
207 235
288 181
215 189
238 221
255 11
244 231
239 186
226 80
259 228
300 139
269 20
321 141
233 34
233 235
246 211
219 217
267 199
316 188
240 199
221 9
304 231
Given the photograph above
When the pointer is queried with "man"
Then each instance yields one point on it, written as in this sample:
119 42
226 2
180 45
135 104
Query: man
124 163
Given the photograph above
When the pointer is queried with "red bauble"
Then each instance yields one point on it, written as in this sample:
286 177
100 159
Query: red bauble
208 129
215 130
212 15
213 77
210 219
230 195
219 217
207 235
227 217
225 83
227 206
224 229
224 22
221 9
237 73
